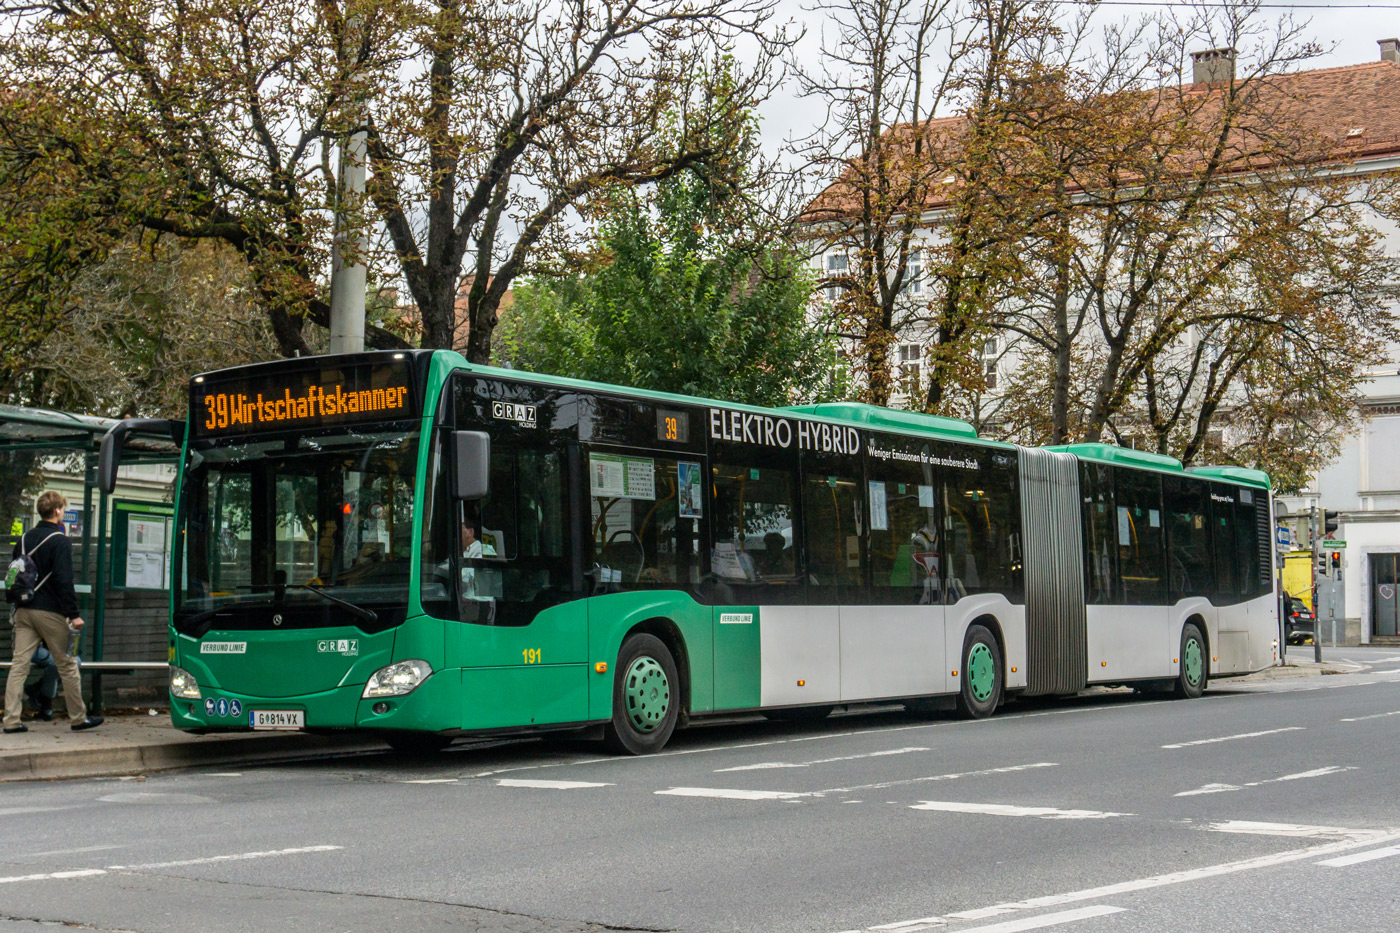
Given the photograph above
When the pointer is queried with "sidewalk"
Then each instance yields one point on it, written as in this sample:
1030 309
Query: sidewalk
1295 666
140 742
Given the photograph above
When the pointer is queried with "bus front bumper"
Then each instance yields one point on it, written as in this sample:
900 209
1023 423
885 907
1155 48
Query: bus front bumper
429 708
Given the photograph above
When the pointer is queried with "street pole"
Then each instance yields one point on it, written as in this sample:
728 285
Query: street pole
347 265
1317 616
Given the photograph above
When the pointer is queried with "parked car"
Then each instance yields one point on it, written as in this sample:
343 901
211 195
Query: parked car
1299 621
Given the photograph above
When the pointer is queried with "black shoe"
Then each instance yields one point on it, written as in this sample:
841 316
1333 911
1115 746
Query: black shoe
19 728
46 711
92 722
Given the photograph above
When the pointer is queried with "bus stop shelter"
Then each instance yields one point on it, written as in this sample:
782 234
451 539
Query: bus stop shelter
32 439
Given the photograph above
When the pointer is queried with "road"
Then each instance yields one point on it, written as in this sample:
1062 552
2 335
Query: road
1267 805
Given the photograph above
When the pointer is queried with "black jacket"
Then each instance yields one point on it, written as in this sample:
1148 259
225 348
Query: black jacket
55 561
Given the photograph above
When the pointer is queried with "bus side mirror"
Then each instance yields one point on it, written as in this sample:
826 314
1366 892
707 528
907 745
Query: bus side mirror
473 464
109 454
109 457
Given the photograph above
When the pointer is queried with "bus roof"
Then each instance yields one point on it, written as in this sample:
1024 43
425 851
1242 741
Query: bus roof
1146 460
852 413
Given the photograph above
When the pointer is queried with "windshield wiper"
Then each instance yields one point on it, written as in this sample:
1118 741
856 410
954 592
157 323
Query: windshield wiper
200 623
359 612
279 591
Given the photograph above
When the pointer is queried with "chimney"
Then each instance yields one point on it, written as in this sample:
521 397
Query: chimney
1390 50
1213 66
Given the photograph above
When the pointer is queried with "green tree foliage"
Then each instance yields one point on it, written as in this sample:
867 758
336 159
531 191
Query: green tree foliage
674 303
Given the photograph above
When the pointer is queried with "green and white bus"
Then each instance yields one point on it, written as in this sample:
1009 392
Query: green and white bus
408 544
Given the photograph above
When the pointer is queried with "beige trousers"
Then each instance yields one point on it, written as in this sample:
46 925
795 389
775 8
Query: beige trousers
31 627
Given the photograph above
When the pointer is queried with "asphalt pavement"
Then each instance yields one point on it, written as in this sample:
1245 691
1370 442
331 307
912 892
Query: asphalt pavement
1269 804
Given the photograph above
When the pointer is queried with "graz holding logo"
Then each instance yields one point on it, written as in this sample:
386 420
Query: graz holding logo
346 647
513 411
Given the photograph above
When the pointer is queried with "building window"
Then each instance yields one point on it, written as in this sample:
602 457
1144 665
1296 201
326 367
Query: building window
914 273
991 348
911 366
837 264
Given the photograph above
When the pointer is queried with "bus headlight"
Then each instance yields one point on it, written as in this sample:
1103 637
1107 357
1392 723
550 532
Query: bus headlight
182 684
397 679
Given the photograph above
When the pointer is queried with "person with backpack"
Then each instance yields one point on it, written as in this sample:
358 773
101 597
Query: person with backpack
39 585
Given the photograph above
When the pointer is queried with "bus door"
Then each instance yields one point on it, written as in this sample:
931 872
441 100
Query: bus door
522 637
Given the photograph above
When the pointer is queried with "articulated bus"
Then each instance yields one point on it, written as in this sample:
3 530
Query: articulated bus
411 545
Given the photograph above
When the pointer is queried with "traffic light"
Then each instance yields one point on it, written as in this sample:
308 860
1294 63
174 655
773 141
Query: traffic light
1322 563
1329 521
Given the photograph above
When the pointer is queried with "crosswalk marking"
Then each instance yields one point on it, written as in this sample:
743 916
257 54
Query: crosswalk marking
820 761
1002 809
1231 738
1295 830
731 794
1372 716
1046 920
1301 775
1343 861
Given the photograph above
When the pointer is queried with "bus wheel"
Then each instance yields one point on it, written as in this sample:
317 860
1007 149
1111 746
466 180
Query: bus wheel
980 693
646 701
1192 675
417 743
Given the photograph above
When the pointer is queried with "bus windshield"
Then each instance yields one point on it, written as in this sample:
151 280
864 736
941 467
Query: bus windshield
269 523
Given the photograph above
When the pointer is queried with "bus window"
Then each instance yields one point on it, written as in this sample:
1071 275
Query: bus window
1247 544
1222 507
645 521
512 562
1138 497
905 554
981 522
1190 570
754 552
1100 550
832 519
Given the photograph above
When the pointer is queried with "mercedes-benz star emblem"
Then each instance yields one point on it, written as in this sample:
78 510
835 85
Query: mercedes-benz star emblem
277 619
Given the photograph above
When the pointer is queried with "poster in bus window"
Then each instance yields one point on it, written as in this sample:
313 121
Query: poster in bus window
879 515
689 503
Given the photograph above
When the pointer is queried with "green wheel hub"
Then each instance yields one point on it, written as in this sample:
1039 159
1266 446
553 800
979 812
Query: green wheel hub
647 693
981 672
1192 661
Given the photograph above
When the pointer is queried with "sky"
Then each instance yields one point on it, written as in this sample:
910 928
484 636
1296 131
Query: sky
1347 31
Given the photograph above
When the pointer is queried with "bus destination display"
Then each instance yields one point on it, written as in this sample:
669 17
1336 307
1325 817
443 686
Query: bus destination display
302 398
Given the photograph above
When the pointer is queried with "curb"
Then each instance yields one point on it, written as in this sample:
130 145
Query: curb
138 759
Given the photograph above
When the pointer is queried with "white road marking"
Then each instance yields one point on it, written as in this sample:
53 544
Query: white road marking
79 873
820 761
1297 830
547 785
77 851
1372 716
1396 671
1231 738
724 794
939 777
1357 858
1002 809
1140 884
1301 775
20 811
1007 717
242 856
1046 920
431 781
